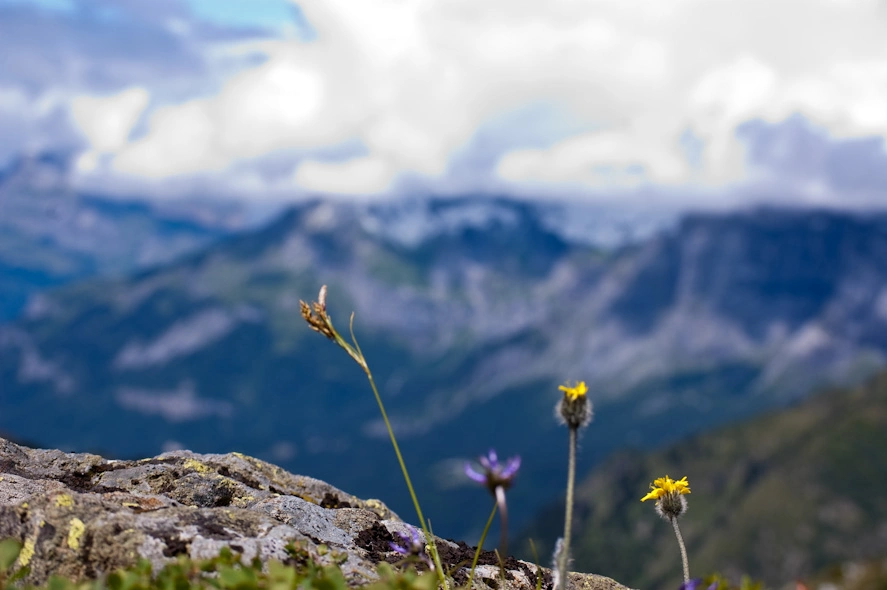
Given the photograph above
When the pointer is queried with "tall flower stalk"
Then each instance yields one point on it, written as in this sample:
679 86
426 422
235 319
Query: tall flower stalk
575 411
497 478
320 321
671 505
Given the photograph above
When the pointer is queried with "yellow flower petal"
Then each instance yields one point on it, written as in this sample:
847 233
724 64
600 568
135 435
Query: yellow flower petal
574 392
666 485
653 495
682 486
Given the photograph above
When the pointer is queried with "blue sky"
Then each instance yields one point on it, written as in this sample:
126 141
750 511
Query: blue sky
706 102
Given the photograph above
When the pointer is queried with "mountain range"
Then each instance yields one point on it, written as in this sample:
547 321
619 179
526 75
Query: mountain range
469 329
52 234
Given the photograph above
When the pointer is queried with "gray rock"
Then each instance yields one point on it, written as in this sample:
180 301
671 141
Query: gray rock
80 516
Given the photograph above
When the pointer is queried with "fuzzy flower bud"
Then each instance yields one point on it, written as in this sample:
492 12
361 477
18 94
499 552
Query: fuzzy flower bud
574 408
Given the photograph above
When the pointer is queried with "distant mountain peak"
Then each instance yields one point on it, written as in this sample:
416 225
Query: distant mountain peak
38 172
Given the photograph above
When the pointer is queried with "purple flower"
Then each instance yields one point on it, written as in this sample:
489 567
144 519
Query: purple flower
495 474
696 584
412 543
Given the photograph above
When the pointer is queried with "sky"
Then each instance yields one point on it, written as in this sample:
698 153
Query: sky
699 101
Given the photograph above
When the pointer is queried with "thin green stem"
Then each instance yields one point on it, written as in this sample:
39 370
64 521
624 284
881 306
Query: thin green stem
564 557
406 475
480 544
684 562
536 562
320 321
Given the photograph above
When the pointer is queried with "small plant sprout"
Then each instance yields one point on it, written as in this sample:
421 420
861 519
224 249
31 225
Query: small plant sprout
671 504
574 410
320 321
497 478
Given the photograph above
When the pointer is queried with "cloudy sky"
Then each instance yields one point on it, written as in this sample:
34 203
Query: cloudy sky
709 100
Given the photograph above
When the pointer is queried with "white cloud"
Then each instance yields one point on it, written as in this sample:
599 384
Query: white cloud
611 158
357 176
107 121
413 82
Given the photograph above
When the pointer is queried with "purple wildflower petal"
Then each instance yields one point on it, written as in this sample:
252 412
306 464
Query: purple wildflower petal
398 549
696 584
417 538
495 474
413 542
474 475
511 468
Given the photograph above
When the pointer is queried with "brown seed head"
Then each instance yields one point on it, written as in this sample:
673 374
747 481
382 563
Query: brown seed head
316 315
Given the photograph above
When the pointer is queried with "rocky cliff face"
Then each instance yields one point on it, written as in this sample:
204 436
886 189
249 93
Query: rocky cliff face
80 516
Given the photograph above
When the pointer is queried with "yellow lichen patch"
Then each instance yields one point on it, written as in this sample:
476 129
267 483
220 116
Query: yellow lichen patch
244 500
75 532
64 500
375 505
27 552
196 466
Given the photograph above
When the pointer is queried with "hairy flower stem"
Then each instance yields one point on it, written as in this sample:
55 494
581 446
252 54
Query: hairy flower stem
684 562
480 544
564 557
503 519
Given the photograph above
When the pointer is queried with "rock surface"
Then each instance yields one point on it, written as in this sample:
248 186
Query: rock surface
80 516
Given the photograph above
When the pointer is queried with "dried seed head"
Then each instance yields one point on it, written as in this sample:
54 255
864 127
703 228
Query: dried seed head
316 315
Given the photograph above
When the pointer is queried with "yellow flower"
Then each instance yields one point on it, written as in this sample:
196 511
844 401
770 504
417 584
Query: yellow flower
574 393
665 485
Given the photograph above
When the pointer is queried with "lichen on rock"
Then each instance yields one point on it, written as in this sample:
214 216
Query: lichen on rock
81 516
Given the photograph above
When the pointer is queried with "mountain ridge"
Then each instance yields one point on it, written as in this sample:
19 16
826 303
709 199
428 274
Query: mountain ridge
52 234
468 344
